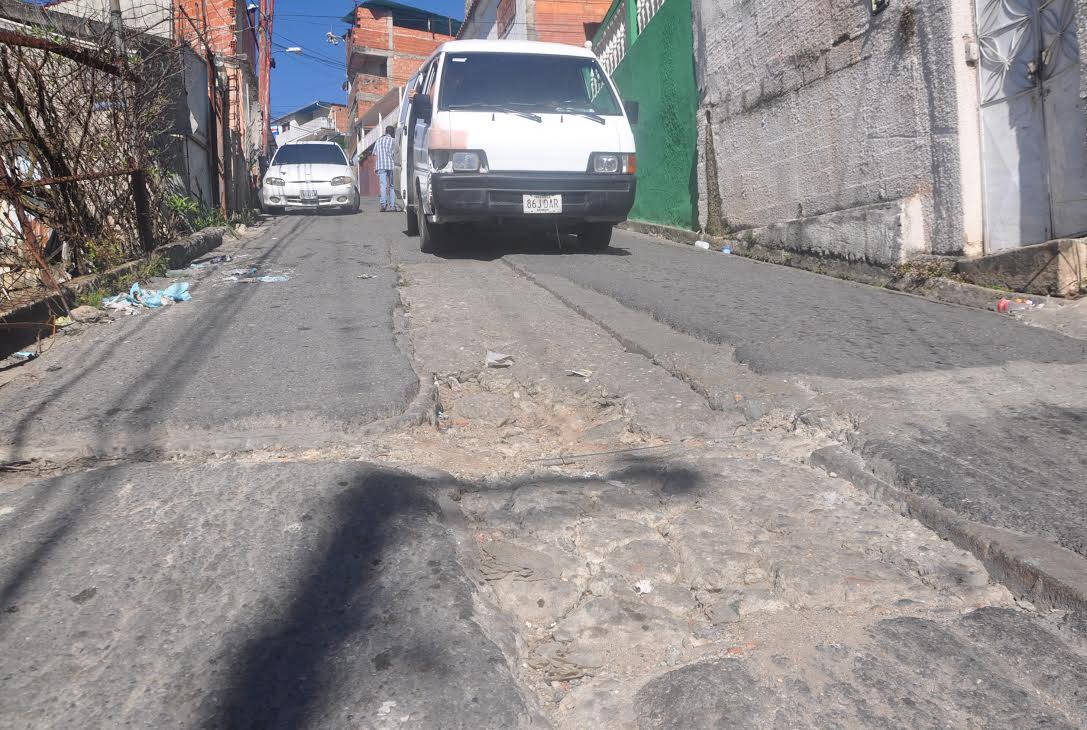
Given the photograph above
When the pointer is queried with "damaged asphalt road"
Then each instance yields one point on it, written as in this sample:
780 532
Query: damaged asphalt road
241 364
619 530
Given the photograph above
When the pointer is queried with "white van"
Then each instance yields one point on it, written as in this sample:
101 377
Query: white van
515 132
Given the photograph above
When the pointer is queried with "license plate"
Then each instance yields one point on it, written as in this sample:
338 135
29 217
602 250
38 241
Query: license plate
543 203
309 195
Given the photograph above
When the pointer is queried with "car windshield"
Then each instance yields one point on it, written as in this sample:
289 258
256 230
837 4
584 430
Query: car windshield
526 83
309 154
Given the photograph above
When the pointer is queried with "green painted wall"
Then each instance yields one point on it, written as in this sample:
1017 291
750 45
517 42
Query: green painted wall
658 72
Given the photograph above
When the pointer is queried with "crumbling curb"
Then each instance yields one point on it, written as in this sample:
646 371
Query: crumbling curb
1047 575
947 291
35 317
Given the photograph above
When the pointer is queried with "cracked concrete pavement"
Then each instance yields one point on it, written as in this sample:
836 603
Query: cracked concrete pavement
642 543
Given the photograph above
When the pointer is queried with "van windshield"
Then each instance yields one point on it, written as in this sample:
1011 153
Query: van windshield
309 154
527 83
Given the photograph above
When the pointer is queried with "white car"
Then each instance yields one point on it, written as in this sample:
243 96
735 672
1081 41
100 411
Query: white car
310 176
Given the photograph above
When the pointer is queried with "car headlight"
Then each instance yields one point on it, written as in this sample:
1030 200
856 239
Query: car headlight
612 163
277 181
341 180
458 160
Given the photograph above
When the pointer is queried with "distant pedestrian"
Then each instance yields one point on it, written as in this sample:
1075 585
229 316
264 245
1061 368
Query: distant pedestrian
385 151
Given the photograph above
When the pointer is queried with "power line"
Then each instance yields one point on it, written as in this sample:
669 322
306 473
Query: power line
325 64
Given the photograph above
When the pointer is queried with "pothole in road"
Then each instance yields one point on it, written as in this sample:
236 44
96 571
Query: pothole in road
601 576
493 424
608 580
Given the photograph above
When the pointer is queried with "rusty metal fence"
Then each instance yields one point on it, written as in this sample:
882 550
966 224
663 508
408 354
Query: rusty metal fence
81 183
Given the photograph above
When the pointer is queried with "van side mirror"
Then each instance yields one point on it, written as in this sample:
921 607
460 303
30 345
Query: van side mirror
422 106
632 109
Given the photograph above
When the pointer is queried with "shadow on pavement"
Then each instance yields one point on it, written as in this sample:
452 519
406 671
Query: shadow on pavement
493 243
168 374
264 595
385 613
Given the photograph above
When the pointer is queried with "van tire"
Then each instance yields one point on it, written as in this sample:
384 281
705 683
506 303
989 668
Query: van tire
413 222
595 236
431 235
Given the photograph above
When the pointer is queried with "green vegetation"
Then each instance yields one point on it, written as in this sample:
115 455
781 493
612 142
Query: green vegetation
924 269
194 215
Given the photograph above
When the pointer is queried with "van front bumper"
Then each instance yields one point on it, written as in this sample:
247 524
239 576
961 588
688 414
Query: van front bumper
500 195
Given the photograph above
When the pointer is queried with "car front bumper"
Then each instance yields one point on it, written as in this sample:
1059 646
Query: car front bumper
500 195
290 196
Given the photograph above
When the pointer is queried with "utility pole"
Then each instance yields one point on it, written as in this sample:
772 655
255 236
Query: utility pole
116 24
267 12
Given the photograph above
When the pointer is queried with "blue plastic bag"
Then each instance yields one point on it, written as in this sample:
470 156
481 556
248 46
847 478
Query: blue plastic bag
178 291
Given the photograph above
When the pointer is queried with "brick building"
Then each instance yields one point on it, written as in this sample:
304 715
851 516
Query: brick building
387 43
223 34
225 30
558 21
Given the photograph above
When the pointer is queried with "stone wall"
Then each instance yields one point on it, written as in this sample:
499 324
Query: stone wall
834 130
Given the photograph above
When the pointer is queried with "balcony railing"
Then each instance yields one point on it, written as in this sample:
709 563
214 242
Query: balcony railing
319 128
625 21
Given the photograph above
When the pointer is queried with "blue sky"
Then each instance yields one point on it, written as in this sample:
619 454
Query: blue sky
319 72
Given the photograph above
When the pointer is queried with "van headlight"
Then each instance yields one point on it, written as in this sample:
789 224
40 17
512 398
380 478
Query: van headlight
466 161
275 181
341 180
458 160
612 163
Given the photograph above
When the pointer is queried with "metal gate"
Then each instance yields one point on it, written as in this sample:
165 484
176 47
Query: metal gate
1034 134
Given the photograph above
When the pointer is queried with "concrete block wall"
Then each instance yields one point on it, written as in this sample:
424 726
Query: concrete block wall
820 108
149 16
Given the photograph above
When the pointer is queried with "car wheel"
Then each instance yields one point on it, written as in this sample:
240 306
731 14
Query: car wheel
431 235
413 222
595 236
356 204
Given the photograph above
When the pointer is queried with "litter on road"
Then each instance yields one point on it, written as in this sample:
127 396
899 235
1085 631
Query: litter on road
252 279
1017 304
580 373
24 355
704 245
498 360
365 276
152 299
210 262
